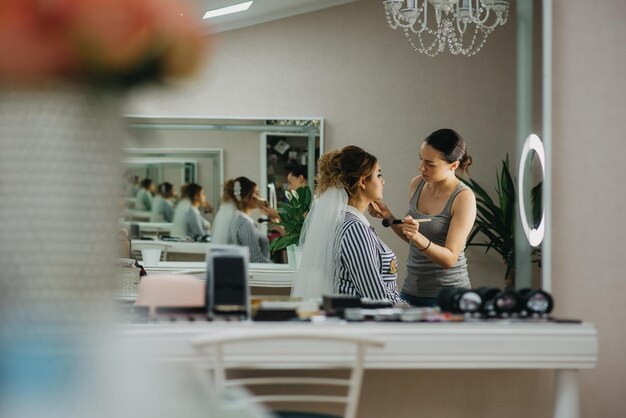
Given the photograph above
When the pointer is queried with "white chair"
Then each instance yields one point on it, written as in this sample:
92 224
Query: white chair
220 356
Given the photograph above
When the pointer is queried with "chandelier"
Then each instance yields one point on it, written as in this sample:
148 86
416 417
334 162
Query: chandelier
456 22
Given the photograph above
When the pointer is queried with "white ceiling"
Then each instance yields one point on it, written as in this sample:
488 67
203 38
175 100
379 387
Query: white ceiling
259 12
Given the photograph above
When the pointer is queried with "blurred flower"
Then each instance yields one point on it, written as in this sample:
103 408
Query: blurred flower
111 43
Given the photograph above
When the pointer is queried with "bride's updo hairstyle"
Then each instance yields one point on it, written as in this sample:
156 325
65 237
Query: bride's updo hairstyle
238 191
452 146
344 168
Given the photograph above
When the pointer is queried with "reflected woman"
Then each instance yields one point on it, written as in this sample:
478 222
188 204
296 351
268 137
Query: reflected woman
242 230
437 248
196 226
144 195
341 251
163 203
180 213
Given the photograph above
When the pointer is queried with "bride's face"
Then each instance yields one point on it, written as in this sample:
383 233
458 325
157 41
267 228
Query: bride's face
374 184
255 200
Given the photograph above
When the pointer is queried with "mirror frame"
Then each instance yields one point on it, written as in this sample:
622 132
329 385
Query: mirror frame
216 153
525 90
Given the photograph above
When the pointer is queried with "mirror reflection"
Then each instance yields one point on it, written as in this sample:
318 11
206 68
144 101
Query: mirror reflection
176 170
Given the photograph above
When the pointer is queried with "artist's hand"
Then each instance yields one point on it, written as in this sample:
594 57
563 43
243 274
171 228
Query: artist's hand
410 228
207 207
260 203
379 209
278 228
266 210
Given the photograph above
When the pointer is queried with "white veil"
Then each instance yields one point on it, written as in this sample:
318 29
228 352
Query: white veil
221 223
320 245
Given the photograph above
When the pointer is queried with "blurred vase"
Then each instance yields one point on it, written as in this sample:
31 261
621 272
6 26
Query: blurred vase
59 184
59 180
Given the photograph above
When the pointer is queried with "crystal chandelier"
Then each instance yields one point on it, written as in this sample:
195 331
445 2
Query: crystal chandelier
454 20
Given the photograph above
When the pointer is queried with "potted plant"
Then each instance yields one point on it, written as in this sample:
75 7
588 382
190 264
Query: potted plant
496 219
292 214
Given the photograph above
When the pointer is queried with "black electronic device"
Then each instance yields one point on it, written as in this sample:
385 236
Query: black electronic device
375 303
276 314
336 304
496 302
134 231
459 300
535 302
227 290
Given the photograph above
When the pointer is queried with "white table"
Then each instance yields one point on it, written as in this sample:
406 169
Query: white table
261 275
137 214
189 247
565 348
156 227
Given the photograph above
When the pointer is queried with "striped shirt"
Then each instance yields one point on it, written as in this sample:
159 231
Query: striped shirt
368 268
243 232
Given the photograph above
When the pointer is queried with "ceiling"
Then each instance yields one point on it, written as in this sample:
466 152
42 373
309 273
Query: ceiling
260 11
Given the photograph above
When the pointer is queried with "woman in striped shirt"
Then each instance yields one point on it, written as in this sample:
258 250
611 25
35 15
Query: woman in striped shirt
355 262
244 194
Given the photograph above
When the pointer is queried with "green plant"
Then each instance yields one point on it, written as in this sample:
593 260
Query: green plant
292 214
496 219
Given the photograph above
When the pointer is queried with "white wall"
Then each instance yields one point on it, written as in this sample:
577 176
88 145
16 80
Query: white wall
240 148
589 193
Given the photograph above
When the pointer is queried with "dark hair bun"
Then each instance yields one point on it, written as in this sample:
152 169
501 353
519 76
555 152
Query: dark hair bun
466 161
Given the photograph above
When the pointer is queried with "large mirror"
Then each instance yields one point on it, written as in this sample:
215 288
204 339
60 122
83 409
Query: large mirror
209 151
374 90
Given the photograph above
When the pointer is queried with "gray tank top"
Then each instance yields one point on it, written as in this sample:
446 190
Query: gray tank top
424 277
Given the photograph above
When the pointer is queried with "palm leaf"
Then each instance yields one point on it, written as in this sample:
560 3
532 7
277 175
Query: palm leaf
495 219
536 199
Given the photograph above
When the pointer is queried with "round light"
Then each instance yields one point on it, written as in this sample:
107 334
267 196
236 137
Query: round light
534 235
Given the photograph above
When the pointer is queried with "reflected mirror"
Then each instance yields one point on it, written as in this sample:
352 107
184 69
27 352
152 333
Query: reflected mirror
209 151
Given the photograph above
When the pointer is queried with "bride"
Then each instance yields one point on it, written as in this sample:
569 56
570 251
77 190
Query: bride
341 252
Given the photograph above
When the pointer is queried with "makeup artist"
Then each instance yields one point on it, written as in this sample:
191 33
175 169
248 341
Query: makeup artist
437 247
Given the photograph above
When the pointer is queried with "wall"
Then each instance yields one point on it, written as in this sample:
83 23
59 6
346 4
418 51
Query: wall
589 200
346 65
240 151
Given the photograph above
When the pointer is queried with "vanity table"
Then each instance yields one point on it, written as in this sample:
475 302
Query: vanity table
156 228
188 247
563 347
261 275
